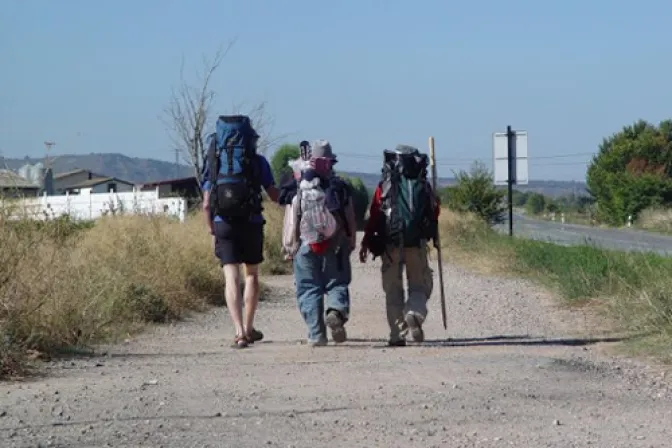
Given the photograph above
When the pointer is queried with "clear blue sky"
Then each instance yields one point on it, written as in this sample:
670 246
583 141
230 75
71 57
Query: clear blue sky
94 76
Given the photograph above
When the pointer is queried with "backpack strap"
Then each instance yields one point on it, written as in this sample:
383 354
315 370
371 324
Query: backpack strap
213 160
299 215
340 191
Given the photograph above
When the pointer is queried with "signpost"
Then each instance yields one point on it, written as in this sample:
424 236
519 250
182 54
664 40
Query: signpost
509 153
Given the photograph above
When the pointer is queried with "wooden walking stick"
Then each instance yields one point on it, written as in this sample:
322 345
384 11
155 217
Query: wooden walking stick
432 162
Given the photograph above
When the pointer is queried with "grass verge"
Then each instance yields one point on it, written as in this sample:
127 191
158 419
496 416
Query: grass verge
634 288
67 284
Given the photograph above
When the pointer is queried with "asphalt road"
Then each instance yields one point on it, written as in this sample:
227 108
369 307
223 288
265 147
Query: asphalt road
574 234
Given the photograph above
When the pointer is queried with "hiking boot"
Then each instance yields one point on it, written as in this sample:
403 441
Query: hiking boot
396 342
414 323
318 343
336 323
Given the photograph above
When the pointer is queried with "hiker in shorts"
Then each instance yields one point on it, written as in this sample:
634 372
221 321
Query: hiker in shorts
233 176
403 217
318 236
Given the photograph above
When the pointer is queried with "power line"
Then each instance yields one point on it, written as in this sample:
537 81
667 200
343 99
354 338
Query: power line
456 161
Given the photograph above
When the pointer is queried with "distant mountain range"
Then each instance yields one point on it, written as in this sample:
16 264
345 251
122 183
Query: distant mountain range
141 170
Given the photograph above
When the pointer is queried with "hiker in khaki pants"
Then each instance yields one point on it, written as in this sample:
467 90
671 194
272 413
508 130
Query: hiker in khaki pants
404 314
403 217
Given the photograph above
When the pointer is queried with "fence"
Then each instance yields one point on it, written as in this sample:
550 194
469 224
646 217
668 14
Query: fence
91 206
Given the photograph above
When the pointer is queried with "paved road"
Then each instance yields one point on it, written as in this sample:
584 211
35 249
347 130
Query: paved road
573 234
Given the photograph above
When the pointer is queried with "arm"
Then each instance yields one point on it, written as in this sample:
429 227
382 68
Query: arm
267 179
290 241
205 187
207 212
436 202
374 216
273 193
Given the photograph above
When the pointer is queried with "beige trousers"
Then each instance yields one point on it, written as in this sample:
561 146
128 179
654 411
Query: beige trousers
420 282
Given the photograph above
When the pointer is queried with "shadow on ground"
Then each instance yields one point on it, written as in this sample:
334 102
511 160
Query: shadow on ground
359 343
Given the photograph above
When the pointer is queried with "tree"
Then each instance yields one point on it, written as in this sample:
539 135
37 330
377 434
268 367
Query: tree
536 203
632 171
475 192
190 112
282 171
519 198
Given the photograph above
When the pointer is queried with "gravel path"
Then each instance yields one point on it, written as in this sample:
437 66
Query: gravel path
515 371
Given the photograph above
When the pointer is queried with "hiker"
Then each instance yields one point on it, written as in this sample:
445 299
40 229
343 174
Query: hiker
233 175
319 235
403 217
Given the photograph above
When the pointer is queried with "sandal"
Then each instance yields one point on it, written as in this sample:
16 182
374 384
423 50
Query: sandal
240 342
254 336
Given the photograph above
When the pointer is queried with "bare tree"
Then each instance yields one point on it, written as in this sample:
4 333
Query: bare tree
189 114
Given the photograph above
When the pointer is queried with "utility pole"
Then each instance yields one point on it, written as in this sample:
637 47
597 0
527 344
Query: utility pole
177 162
48 145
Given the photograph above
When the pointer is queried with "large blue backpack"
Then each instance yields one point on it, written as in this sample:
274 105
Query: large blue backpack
234 171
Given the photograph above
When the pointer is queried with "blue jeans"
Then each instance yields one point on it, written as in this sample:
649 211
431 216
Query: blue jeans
318 275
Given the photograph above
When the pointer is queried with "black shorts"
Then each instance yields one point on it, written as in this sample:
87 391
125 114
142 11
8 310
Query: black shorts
239 242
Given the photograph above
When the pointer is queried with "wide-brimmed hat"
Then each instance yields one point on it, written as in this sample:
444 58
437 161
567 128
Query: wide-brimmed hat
322 148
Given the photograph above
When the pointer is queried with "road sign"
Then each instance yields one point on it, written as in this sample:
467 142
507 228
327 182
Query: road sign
500 155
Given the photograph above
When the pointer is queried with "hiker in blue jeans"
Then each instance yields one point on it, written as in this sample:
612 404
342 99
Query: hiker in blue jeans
322 205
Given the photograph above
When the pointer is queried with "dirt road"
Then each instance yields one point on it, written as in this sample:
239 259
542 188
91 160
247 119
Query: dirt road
515 372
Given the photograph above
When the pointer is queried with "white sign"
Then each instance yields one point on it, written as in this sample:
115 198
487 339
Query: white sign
500 155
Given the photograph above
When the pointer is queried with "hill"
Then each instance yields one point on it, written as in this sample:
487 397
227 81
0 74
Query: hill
552 188
140 170
134 169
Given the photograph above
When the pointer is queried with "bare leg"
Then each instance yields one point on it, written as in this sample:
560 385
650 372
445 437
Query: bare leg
233 300
251 295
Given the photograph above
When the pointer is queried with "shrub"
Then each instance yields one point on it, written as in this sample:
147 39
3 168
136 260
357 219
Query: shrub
475 193
536 203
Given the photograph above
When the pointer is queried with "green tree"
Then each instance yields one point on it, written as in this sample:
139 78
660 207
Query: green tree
535 203
519 198
281 171
552 207
632 171
475 192
360 198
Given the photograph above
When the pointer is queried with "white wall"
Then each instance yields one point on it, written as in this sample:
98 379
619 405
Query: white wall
95 205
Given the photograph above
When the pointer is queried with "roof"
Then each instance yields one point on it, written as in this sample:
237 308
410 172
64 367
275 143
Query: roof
10 179
171 181
97 181
70 173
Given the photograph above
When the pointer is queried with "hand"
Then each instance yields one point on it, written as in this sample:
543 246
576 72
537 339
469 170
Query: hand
363 253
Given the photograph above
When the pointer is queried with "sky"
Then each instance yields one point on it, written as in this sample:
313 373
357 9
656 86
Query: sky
366 75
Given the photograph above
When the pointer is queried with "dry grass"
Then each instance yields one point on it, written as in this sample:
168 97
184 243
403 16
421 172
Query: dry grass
635 288
274 262
656 220
65 284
